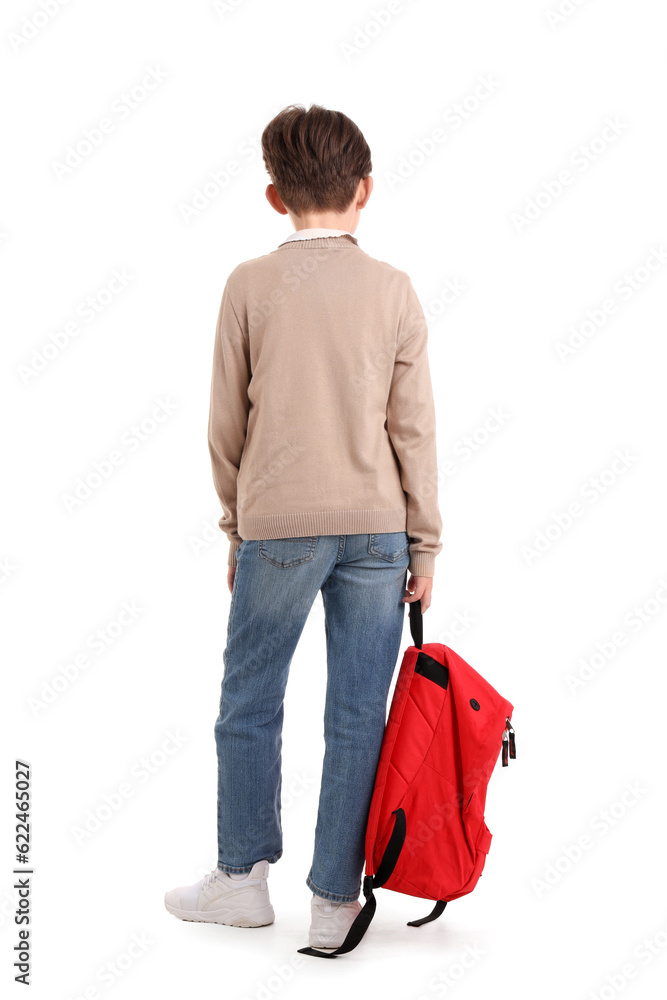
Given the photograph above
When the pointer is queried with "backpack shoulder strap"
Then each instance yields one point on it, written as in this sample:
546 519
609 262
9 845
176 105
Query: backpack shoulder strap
362 920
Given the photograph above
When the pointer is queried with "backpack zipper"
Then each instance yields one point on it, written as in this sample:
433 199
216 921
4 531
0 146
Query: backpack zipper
511 740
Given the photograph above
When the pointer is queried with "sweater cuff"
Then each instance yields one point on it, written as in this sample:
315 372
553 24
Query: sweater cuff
421 564
233 548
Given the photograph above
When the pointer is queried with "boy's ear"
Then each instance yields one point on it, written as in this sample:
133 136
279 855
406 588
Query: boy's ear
365 188
274 201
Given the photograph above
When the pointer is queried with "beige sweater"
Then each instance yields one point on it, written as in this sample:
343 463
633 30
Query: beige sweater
322 420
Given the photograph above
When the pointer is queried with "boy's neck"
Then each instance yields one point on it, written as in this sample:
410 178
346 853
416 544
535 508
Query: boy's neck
326 220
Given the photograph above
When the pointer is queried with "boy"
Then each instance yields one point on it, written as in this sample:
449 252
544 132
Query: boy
323 449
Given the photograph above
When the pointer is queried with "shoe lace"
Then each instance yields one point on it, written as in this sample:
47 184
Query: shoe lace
210 878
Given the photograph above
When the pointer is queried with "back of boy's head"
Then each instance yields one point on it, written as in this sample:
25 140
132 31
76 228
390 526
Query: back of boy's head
315 158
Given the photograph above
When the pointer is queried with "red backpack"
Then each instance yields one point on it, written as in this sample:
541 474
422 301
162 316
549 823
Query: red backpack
426 835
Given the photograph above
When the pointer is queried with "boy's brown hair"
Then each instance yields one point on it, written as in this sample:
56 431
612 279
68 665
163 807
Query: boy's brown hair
315 158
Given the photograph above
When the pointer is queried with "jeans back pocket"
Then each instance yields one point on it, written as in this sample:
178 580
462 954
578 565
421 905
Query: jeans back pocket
285 552
389 545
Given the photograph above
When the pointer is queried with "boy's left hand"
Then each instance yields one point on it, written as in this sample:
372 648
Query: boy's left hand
419 589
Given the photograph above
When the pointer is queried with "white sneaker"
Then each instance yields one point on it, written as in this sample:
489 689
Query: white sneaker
220 899
330 922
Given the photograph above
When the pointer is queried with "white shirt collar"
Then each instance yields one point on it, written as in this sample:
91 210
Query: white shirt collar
312 234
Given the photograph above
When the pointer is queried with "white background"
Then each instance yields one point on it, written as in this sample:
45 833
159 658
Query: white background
542 925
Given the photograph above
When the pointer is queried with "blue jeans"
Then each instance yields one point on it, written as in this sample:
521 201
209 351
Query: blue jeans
363 580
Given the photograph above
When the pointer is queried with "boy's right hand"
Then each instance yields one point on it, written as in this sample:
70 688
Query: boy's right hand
231 570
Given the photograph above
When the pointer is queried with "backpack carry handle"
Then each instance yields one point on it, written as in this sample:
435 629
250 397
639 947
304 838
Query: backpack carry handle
417 623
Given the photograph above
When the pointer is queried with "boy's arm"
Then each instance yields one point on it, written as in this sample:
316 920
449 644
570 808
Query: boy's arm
412 430
228 417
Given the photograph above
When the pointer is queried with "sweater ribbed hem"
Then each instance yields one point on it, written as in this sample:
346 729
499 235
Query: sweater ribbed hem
321 522
330 522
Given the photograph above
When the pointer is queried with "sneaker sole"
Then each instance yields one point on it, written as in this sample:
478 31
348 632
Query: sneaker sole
235 918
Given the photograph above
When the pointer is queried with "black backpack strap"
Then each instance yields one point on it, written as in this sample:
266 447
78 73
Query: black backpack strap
433 915
417 623
362 920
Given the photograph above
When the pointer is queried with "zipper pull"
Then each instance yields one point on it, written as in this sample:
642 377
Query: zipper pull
505 742
512 740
